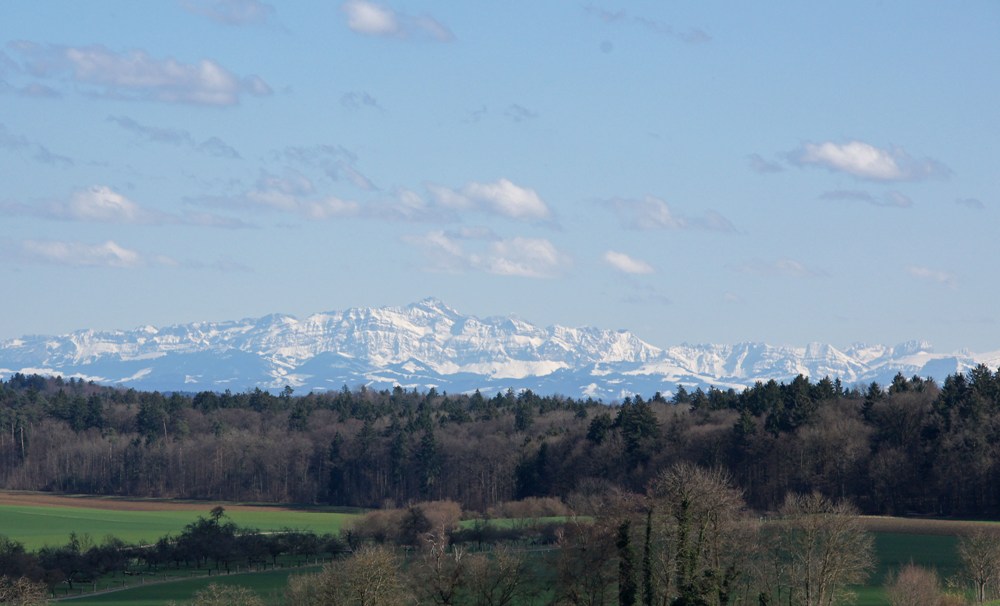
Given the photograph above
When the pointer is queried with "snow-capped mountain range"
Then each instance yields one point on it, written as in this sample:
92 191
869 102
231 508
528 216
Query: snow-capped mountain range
428 344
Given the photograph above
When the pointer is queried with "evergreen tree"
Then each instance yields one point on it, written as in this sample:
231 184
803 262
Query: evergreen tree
627 588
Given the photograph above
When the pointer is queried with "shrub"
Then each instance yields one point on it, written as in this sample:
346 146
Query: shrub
914 586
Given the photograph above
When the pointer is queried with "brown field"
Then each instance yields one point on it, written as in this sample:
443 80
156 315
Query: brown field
45 499
924 525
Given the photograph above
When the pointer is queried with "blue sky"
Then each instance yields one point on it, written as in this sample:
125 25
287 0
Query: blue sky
701 172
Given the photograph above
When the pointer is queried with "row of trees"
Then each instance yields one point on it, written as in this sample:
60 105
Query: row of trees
910 447
689 539
212 542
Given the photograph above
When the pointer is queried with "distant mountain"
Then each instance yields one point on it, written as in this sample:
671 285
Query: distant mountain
428 344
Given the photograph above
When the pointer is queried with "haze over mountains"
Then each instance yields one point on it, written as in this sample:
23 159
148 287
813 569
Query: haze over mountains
428 344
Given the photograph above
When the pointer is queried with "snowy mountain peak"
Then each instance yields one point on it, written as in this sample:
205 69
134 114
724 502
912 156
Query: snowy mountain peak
429 344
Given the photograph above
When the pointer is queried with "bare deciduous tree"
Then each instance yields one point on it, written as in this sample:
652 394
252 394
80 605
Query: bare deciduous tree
22 592
584 564
980 555
438 574
698 517
497 580
368 578
825 547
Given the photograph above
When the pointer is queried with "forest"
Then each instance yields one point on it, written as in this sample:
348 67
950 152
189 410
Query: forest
911 447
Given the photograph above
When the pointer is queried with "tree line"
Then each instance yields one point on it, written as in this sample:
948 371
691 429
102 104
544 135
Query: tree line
910 447
688 539
213 542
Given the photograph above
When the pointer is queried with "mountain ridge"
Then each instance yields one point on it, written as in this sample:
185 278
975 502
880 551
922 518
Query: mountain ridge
429 344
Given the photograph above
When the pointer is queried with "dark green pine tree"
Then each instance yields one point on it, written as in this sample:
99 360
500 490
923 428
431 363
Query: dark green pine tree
428 458
627 588
647 562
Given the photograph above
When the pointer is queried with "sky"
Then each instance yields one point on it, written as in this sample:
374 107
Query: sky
695 172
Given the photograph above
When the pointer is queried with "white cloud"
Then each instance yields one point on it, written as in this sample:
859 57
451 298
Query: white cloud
507 199
408 205
652 213
449 198
624 263
211 220
934 275
524 257
866 161
101 203
501 197
370 18
648 213
135 75
77 254
108 254
374 19
527 257
444 251
330 207
430 26
231 12
295 193
98 204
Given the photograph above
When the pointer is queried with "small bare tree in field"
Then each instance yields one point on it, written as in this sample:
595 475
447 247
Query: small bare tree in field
584 564
825 548
698 522
499 580
438 575
980 555
914 586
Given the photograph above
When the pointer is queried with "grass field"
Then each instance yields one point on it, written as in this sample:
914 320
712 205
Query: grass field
899 541
39 520
269 585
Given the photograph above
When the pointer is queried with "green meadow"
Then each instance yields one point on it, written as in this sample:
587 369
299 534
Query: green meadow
37 527
930 543
268 585
893 550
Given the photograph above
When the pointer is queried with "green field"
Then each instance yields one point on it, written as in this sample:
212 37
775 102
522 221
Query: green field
930 543
269 585
36 527
895 550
